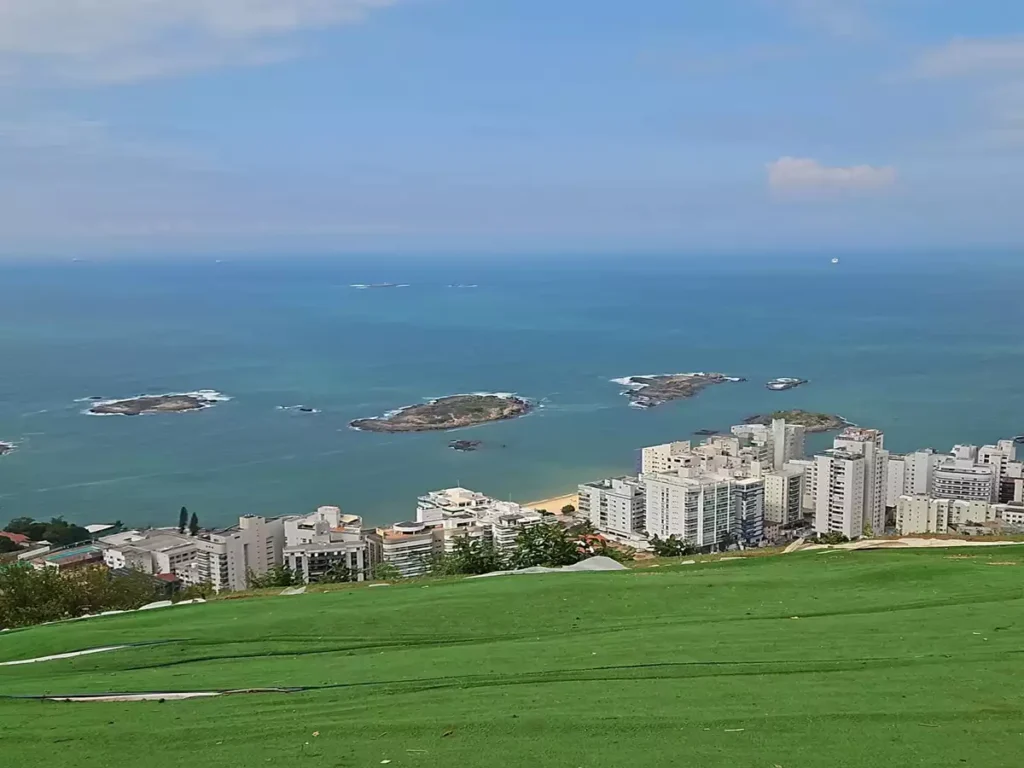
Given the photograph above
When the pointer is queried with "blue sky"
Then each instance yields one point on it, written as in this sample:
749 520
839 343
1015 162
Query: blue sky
505 125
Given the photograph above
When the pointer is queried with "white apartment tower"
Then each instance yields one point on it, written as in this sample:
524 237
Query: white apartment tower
895 480
783 495
658 458
694 506
839 502
919 469
788 442
616 505
869 443
961 476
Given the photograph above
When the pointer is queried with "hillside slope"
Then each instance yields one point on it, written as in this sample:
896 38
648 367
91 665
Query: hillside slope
909 658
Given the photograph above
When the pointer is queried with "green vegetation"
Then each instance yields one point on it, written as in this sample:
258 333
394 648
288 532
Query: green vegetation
29 596
58 531
811 660
673 546
814 422
193 524
549 544
182 520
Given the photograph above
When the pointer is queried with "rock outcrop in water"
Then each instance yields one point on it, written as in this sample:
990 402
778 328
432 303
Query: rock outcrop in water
171 403
649 391
447 413
814 422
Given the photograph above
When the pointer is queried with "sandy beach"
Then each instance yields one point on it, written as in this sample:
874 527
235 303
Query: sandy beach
556 503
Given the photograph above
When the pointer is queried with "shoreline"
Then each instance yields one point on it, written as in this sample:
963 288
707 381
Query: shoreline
554 504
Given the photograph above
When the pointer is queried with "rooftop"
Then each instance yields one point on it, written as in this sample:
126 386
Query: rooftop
75 554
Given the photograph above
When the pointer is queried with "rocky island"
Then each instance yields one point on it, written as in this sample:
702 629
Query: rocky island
145 404
784 383
446 413
814 422
650 391
465 446
6 448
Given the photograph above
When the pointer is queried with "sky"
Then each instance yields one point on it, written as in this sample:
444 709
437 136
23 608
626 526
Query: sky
287 126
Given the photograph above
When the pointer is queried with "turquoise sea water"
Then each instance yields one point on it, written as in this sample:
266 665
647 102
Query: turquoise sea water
930 350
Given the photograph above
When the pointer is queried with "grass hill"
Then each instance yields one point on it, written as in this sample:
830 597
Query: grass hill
853 659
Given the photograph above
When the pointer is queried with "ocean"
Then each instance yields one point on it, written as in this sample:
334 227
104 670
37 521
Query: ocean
926 348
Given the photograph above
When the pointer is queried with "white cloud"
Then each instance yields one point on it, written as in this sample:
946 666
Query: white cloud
988 72
971 56
805 174
839 18
120 40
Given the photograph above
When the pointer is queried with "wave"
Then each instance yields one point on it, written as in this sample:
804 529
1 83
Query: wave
7 447
298 408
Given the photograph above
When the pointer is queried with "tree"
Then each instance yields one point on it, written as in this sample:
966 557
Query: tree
545 544
339 573
182 520
27 526
470 557
568 509
673 546
193 524
29 596
58 531
582 528
385 571
277 576
833 537
727 540
6 545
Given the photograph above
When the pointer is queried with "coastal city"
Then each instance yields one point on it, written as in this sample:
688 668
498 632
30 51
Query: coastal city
751 488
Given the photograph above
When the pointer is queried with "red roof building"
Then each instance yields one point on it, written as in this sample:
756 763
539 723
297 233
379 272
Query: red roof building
18 538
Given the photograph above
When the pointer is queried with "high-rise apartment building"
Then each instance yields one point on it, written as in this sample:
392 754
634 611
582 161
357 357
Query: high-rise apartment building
839 493
783 495
616 505
748 509
869 443
697 507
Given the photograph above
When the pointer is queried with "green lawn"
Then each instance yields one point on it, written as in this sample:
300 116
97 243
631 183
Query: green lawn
844 659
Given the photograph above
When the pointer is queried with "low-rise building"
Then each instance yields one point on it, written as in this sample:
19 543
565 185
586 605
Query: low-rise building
434 506
70 558
155 551
962 476
1011 513
926 514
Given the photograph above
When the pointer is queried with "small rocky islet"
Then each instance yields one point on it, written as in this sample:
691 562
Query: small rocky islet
446 413
465 446
652 391
150 404
813 422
